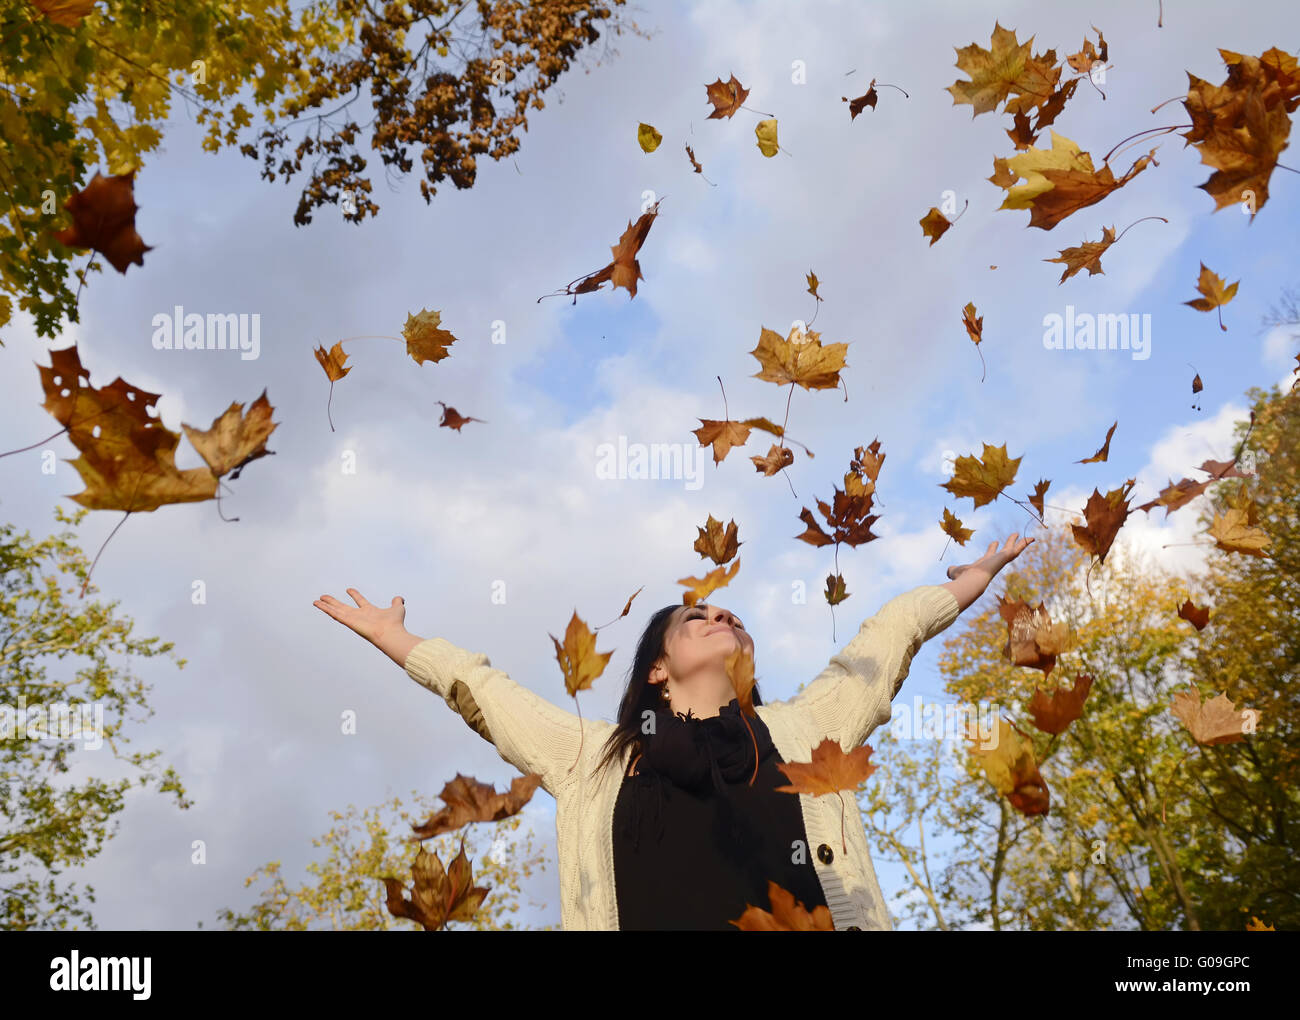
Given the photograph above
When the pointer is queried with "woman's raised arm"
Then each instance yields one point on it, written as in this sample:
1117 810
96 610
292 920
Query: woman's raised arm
528 731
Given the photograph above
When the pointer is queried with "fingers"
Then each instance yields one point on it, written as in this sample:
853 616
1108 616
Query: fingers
357 597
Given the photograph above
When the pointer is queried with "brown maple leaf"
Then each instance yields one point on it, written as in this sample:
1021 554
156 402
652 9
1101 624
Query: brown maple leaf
1197 616
1036 498
1216 721
1033 640
1006 67
1213 293
579 661
810 364
835 592
437 895
332 361
740 670
426 340
1100 456
1241 126
787 914
1054 712
1012 769
776 459
1058 181
717 543
103 218
234 439
953 528
868 98
830 770
1085 256
726 97
934 224
453 419
467 800
68 13
722 436
625 270
700 588
1104 515
983 478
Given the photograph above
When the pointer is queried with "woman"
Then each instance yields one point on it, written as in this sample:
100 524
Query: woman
677 798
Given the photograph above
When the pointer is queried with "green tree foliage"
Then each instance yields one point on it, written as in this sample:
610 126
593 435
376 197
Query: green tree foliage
48 822
1147 828
345 892
104 84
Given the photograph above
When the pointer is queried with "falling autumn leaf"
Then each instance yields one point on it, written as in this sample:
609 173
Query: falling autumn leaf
1241 127
1054 712
776 459
579 661
103 218
1036 498
453 419
849 514
868 98
983 478
1197 616
829 771
1012 769
700 588
648 138
625 270
952 527
127 457
1234 531
426 340
1255 924
812 365
1088 55
1058 181
974 329
716 543
934 224
437 895
1033 640
740 670
835 592
787 914
722 436
812 285
1215 721
1103 516
1180 493
234 439
333 361
64 12
726 97
1213 293
1006 67
1100 456
467 800
1085 256
694 162
765 131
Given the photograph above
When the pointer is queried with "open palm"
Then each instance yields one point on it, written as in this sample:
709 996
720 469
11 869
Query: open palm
366 619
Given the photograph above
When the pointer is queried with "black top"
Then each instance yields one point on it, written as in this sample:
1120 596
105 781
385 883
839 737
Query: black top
694 842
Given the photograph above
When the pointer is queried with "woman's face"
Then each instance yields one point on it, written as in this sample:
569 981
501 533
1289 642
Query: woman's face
703 635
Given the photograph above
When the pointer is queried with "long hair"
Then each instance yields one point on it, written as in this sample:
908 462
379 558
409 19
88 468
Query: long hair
640 694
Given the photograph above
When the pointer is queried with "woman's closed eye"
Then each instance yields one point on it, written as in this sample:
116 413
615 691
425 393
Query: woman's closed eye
699 614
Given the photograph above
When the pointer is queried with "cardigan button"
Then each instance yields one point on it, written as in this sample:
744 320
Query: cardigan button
853 927
825 854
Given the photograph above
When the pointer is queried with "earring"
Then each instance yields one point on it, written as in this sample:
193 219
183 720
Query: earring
663 693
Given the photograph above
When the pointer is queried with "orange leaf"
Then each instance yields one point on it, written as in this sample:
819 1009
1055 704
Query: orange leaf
786 914
103 218
1054 712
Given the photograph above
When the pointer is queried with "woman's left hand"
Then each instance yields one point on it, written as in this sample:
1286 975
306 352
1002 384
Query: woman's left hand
994 559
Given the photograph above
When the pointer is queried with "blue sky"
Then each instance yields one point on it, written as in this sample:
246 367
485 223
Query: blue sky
251 723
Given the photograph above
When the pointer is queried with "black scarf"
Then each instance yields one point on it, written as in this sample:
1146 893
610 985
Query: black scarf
698 755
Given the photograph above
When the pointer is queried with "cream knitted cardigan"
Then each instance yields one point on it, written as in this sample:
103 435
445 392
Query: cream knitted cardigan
847 701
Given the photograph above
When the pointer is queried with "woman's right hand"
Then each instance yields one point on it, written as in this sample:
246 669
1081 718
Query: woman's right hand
368 620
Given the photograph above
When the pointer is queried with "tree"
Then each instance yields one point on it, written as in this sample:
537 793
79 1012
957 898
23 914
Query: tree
78 85
1147 828
48 825
347 894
